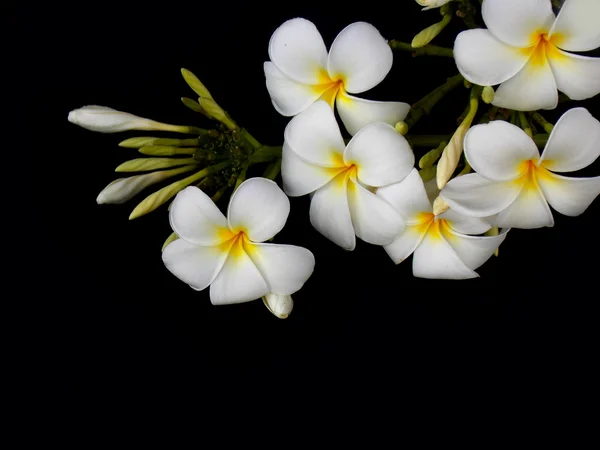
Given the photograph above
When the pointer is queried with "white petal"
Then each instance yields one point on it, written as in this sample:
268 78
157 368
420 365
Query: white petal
375 221
473 250
300 177
195 265
495 150
285 268
531 89
195 218
517 22
574 142
484 60
239 280
382 156
288 96
465 224
577 25
406 243
315 136
357 113
577 76
408 196
529 210
330 213
473 195
434 258
259 208
569 196
359 56
298 50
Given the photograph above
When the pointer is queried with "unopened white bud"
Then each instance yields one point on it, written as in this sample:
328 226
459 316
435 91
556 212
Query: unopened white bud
430 4
280 305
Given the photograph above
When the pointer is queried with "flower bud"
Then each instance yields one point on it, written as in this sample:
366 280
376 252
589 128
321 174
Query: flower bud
107 120
280 305
430 4
148 164
216 112
402 128
440 206
427 35
196 85
124 189
488 94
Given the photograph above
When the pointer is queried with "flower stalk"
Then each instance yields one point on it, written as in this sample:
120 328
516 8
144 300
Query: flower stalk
429 50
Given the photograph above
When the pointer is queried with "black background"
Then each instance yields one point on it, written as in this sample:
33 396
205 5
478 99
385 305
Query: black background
113 317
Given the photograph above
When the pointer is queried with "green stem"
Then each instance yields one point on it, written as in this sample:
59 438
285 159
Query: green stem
433 50
425 105
250 139
240 179
548 127
273 170
266 153
525 124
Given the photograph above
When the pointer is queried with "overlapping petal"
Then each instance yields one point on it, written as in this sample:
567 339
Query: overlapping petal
573 143
195 218
529 210
569 196
474 195
298 50
533 88
374 220
300 177
473 251
360 57
382 156
314 135
330 212
239 280
285 268
357 113
402 247
258 208
577 76
288 96
435 258
495 150
577 25
408 197
465 224
483 59
516 22
194 265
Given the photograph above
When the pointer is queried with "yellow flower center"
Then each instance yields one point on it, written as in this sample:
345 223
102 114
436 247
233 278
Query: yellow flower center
531 172
544 47
428 223
327 87
235 243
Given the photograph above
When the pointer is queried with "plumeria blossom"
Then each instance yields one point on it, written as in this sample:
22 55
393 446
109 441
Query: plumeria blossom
525 50
301 72
228 253
514 185
442 245
430 4
341 178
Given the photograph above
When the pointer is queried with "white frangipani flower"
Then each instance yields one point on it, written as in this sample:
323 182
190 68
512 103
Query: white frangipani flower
301 72
108 120
430 4
523 50
441 245
280 305
341 178
228 253
514 185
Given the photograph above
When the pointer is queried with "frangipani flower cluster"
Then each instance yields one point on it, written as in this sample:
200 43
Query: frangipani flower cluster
526 50
365 184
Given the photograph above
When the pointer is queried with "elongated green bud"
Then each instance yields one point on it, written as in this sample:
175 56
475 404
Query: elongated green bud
147 164
427 35
214 110
488 94
432 156
163 195
196 85
138 142
428 173
162 150
193 105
